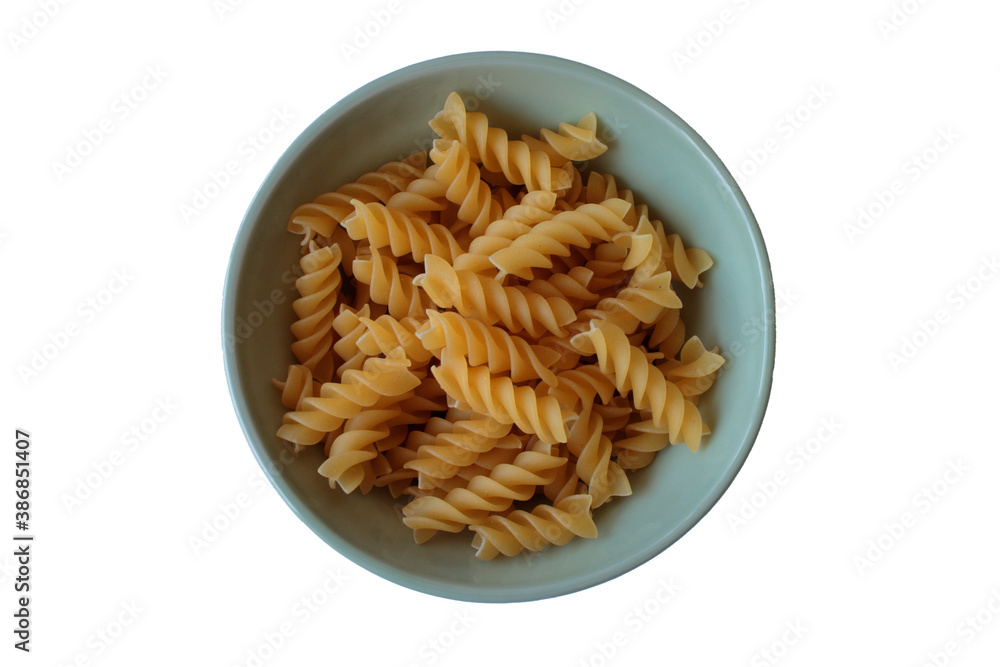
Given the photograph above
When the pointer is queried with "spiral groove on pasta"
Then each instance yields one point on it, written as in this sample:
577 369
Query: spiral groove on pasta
632 306
389 287
473 295
321 216
339 401
574 286
518 219
319 287
297 385
386 333
500 398
422 195
488 345
354 447
491 147
484 494
686 264
404 232
545 524
581 386
555 237
591 448
493 335
443 448
461 177
649 386
577 142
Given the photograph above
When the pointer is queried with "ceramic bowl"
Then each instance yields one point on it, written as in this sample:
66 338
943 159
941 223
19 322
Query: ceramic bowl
651 151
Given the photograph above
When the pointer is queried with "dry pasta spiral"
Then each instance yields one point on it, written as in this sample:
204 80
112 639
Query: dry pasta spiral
491 147
484 494
443 447
319 287
488 345
386 333
402 231
389 287
500 398
473 295
634 374
460 175
576 142
545 524
556 236
322 216
592 448
355 447
339 401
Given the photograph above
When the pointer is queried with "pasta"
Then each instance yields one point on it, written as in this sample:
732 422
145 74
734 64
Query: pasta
494 332
319 287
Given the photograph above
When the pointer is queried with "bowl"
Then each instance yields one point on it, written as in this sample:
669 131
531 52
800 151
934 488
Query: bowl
653 152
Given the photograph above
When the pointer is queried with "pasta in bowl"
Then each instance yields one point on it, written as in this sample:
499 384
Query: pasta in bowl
493 332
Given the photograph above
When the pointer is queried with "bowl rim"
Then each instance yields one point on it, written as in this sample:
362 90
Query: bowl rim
453 590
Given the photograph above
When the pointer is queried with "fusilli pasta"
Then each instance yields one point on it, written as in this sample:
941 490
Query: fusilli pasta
495 335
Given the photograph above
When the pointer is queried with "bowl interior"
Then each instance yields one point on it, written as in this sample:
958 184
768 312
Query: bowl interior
650 151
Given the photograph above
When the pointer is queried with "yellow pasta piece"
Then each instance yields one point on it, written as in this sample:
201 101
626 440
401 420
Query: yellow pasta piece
472 295
555 237
484 494
490 146
634 374
322 216
319 287
488 345
389 287
402 231
500 398
544 525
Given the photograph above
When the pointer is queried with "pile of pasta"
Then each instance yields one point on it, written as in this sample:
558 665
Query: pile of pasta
492 335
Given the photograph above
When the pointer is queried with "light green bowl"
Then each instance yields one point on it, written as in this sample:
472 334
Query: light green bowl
654 153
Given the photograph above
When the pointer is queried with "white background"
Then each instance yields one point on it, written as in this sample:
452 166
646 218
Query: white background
870 550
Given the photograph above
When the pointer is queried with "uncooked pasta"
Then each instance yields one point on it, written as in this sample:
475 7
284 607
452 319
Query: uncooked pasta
492 335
